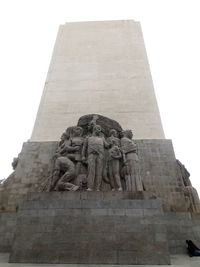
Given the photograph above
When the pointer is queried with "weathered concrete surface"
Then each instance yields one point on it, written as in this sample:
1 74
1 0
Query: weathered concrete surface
90 231
101 68
7 228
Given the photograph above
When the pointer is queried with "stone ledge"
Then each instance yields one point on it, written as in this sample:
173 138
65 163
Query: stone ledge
95 195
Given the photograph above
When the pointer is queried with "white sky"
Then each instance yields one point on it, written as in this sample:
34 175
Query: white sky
172 37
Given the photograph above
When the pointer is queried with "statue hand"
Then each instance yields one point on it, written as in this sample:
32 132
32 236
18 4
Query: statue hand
76 148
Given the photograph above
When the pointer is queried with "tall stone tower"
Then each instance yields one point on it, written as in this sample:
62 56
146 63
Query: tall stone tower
83 190
99 67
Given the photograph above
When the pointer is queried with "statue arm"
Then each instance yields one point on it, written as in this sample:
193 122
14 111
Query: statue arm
72 148
128 148
124 157
118 156
123 152
68 147
106 144
62 150
85 145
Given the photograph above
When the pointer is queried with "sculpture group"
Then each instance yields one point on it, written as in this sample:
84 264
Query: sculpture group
90 156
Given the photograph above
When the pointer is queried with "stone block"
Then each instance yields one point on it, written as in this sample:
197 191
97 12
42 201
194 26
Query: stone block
119 212
134 212
161 237
99 212
151 212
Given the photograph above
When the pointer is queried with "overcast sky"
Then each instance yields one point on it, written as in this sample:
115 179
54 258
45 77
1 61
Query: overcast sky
172 37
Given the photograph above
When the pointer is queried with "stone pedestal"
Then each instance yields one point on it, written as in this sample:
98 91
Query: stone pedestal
55 229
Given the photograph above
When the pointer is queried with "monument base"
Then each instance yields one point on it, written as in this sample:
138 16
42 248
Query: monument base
98 227
54 229
159 171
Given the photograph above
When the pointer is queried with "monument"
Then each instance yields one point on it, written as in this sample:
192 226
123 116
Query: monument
98 183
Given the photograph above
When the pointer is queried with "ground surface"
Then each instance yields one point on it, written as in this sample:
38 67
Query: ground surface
177 260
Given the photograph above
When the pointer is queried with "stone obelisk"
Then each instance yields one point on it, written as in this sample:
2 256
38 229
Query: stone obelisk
97 196
99 67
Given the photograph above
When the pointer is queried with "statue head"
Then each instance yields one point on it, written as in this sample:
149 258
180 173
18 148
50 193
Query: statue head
63 136
15 162
69 132
77 131
128 134
113 132
97 129
92 123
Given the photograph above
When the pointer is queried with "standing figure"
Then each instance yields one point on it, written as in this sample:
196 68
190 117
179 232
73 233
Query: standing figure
94 146
129 150
113 160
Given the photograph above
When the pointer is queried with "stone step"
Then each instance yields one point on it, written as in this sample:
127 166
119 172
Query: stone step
90 232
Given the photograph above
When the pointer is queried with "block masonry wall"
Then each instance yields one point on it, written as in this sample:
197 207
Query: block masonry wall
160 175
35 164
92 232
176 226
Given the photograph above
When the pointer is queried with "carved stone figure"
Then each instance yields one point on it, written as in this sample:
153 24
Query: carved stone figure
94 146
63 174
63 137
191 195
114 160
63 146
77 143
95 156
68 160
131 161
74 148
184 174
92 124
88 121
192 199
15 162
